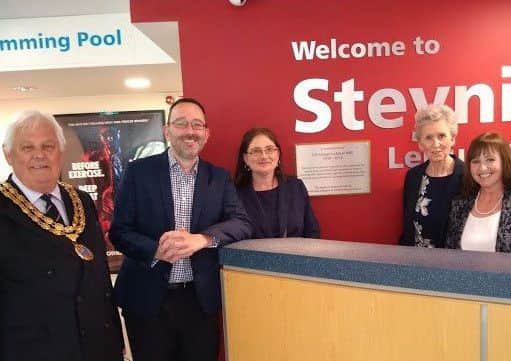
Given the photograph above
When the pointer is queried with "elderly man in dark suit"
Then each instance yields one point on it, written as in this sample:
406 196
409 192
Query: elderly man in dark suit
172 212
55 290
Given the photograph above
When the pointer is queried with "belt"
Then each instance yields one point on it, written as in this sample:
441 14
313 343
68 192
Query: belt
179 285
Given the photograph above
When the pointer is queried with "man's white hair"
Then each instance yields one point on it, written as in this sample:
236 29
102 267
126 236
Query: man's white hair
28 119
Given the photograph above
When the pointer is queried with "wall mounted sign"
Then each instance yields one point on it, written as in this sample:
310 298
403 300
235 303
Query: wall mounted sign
334 168
75 42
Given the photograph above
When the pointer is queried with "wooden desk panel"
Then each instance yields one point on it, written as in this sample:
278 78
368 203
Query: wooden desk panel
499 332
282 319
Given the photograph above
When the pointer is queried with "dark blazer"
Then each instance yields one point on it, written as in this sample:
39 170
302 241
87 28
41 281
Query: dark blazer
53 305
296 217
460 210
144 210
411 194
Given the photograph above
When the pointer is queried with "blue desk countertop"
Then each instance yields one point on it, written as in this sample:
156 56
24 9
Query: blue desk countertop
473 275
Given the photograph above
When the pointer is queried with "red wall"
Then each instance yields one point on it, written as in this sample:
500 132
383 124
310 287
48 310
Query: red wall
239 62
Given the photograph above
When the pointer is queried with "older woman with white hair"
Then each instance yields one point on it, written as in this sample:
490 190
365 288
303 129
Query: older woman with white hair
430 187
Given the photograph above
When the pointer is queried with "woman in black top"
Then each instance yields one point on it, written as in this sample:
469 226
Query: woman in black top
277 205
430 187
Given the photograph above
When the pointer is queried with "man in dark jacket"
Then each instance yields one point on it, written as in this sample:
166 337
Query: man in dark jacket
55 290
172 212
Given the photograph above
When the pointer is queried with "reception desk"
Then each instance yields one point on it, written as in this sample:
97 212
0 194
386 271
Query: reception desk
309 299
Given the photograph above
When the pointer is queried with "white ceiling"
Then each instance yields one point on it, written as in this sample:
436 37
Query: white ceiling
12 9
165 78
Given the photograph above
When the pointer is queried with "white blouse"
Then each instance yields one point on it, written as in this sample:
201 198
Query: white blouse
480 233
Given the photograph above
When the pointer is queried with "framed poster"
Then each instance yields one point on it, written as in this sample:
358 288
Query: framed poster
334 168
98 147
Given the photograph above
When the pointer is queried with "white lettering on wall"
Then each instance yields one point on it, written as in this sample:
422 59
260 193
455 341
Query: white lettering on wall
411 158
376 108
347 97
506 94
304 101
462 95
310 50
390 100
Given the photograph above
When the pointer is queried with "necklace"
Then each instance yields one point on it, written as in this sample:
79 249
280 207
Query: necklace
442 171
491 210
72 232
266 188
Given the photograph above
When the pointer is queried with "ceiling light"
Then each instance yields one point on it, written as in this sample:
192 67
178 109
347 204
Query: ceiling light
24 88
137 83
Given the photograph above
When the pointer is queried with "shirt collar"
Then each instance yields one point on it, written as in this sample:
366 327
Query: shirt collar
32 195
174 163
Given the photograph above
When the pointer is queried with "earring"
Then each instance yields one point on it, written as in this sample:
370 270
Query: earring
247 168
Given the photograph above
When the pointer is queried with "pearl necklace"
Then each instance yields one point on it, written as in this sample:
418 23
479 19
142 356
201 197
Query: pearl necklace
491 210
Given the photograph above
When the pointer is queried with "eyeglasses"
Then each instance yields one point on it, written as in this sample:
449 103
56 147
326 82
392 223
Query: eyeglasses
258 152
183 124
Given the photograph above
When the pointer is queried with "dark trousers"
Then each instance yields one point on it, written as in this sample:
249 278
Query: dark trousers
181 331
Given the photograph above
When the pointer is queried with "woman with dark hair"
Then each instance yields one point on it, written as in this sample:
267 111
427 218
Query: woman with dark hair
278 205
480 220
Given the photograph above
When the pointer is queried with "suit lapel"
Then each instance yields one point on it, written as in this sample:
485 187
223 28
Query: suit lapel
14 212
68 205
200 194
166 191
453 179
11 182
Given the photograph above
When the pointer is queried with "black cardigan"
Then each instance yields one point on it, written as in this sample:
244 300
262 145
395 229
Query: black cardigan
461 208
296 217
411 194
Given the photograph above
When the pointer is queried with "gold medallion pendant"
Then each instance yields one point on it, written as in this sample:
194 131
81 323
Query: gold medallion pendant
83 252
71 232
